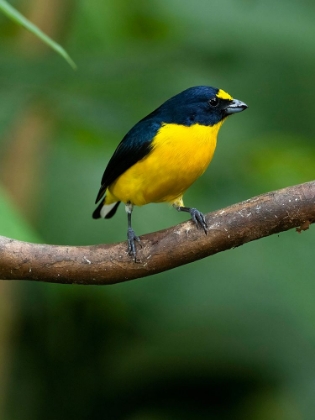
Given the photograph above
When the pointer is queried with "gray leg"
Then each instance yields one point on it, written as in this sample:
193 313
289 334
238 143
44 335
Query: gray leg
131 236
196 216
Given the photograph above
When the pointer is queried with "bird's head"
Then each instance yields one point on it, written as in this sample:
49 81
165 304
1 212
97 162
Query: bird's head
199 105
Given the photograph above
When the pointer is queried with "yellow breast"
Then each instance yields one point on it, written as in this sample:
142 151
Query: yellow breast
179 156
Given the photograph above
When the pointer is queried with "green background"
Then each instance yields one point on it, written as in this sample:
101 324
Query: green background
228 337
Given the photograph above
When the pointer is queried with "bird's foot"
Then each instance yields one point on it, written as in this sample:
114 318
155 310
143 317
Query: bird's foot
198 218
132 239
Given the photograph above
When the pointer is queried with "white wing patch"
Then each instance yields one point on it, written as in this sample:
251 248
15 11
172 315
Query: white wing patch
106 209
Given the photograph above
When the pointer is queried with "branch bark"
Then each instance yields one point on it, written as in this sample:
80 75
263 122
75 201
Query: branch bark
264 215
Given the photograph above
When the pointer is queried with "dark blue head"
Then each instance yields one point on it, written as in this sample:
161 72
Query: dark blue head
197 105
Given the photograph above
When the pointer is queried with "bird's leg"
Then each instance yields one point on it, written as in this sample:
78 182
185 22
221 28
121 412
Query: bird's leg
196 216
131 236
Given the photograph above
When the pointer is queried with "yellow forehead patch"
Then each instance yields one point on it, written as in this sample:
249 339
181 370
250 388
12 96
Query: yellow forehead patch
223 95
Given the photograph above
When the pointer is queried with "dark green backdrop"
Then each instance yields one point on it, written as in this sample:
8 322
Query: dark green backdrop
229 337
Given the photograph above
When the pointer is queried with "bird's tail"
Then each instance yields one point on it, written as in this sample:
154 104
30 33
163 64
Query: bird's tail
106 211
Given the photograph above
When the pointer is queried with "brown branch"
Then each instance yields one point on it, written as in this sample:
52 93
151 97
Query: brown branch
228 228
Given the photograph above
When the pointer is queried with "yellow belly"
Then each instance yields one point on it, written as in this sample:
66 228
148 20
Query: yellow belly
179 156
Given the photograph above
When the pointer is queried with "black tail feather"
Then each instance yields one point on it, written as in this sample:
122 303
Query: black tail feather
97 212
113 211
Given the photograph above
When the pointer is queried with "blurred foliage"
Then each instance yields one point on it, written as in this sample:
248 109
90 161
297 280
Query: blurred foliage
17 17
229 337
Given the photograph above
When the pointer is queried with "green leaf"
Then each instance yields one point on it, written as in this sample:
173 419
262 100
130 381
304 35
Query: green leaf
17 17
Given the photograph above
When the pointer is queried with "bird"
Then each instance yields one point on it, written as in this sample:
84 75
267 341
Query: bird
163 155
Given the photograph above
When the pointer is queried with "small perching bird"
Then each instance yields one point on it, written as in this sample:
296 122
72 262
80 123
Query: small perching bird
164 153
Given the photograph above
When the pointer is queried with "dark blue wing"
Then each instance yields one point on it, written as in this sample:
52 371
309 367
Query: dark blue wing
136 144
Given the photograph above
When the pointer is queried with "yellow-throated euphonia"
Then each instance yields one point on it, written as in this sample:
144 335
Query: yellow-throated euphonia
164 153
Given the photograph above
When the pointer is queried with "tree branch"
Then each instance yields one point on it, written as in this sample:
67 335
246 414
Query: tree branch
231 227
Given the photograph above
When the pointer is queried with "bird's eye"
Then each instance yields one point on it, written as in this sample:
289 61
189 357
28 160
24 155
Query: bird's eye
214 101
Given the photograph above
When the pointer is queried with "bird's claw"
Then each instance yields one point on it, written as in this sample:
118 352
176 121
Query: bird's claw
199 219
132 237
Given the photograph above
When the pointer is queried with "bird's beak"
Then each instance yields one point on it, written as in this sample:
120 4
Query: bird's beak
235 106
